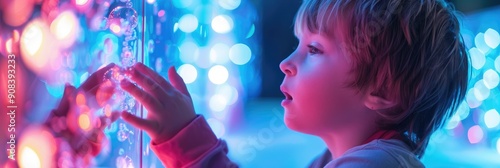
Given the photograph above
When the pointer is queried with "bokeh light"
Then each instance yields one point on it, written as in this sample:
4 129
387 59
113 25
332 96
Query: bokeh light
29 158
217 126
229 4
492 38
219 53
222 24
491 118
477 58
481 91
65 28
188 73
217 103
491 79
218 74
189 52
481 44
182 3
240 54
188 23
475 134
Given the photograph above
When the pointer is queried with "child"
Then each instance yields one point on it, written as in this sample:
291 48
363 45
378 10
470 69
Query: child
372 78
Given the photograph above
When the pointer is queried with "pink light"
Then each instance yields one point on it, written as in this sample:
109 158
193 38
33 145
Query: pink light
161 13
115 28
8 46
475 134
81 2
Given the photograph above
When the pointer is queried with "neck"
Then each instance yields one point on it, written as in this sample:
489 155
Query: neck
341 141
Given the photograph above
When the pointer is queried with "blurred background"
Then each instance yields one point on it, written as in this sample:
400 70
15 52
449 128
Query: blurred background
228 52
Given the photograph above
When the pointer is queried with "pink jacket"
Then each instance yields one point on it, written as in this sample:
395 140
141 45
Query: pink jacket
194 146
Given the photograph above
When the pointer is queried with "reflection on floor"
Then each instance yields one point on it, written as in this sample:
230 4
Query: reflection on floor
264 141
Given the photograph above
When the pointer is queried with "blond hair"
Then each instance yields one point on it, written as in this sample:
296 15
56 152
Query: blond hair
410 51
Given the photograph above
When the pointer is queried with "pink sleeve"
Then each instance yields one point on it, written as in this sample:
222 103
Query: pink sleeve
194 146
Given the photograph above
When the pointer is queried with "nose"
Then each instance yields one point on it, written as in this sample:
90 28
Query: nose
287 66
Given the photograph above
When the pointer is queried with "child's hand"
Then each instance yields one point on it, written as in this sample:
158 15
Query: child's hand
169 106
82 145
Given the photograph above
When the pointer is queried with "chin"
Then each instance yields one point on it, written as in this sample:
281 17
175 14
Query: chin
295 123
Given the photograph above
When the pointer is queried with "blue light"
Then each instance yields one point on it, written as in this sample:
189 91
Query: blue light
182 3
471 99
222 24
189 52
491 118
481 91
497 63
481 44
217 126
463 110
240 54
229 4
219 53
477 57
492 38
188 73
188 23
491 79
217 103
218 74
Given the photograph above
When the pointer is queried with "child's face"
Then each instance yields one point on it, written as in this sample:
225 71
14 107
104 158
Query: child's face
317 99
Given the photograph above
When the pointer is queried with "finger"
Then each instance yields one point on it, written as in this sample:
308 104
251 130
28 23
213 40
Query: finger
104 92
143 97
138 122
154 76
145 82
63 107
95 79
177 81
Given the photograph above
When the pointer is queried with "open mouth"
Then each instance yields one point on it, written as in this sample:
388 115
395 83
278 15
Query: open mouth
287 96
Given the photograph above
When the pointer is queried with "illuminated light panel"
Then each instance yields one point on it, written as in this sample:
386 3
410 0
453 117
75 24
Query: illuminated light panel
189 52
151 1
188 73
219 53
491 79
217 126
222 24
217 103
229 4
188 23
475 134
491 118
492 38
481 91
240 54
477 57
218 74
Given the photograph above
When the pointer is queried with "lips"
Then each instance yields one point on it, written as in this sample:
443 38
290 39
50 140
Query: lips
287 95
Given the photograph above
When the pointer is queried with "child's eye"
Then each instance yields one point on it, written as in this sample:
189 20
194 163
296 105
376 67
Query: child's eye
314 50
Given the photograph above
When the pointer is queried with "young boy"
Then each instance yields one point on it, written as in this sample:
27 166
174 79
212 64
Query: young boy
372 78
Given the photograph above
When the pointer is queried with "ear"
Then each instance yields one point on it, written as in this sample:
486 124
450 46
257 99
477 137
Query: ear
376 102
